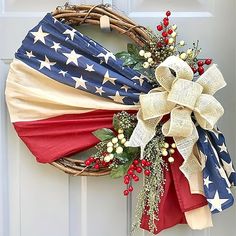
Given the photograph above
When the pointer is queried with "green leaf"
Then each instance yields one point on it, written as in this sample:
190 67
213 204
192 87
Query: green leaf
138 66
120 170
133 49
103 134
115 123
129 61
122 55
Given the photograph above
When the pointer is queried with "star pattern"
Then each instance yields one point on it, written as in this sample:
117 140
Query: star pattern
46 63
62 54
117 98
71 33
218 173
72 57
99 90
29 54
56 46
216 202
106 56
107 78
39 35
79 82
89 68
140 79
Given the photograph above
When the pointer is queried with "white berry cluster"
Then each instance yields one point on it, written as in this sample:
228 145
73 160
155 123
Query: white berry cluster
167 150
115 145
148 56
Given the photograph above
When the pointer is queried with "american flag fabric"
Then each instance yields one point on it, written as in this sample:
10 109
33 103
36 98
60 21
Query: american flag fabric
219 174
62 86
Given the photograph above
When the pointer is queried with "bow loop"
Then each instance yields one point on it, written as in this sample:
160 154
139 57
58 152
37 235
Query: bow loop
180 97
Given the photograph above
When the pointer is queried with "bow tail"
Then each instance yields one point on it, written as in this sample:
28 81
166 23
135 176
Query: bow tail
144 131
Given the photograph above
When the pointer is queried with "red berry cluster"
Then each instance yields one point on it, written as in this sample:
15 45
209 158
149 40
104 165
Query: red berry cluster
137 166
200 66
96 163
164 28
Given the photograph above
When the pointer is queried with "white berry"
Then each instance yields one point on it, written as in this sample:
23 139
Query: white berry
183 56
171 40
174 27
123 140
109 144
107 158
172 48
173 145
171 159
126 144
114 140
141 53
164 153
173 34
119 150
111 156
147 54
109 149
120 131
166 145
150 60
120 136
182 43
145 65
189 51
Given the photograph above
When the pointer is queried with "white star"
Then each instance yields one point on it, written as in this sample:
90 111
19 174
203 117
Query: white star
99 90
125 87
216 202
39 35
89 68
228 167
72 57
107 55
229 191
71 33
29 54
140 79
79 82
206 139
107 78
117 98
223 148
56 46
46 63
63 72
207 182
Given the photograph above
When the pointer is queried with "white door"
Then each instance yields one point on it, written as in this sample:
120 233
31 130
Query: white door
38 200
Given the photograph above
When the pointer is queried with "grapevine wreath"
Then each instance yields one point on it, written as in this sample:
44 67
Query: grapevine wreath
149 110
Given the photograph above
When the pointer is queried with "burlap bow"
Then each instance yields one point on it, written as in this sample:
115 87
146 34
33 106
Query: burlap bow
180 96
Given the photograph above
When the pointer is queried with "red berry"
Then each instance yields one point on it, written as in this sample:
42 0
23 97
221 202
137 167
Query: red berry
126 192
139 169
208 61
126 181
159 44
130 172
126 177
96 166
136 179
147 172
131 167
159 27
144 162
200 63
170 31
166 19
98 161
136 162
194 69
91 159
134 176
131 188
168 13
165 22
148 163
166 40
87 162
200 70
164 34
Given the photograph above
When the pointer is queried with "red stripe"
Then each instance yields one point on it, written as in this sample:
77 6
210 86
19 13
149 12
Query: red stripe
57 137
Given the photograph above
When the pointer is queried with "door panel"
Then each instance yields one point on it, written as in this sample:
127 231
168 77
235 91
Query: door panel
37 199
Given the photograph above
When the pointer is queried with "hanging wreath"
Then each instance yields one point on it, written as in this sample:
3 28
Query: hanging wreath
150 109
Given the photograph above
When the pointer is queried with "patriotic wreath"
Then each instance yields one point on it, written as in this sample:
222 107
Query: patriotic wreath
147 110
